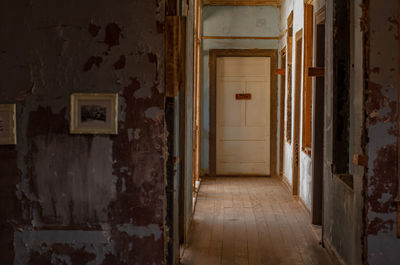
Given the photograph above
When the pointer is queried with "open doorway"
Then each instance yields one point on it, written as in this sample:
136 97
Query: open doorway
318 118
248 109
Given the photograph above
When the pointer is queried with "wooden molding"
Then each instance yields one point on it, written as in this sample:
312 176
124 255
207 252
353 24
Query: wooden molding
307 150
360 160
307 81
241 3
216 53
283 51
309 2
280 71
299 34
239 38
290 20
283 33
316 71
320 16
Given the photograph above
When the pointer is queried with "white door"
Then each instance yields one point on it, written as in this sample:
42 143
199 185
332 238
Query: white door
243 125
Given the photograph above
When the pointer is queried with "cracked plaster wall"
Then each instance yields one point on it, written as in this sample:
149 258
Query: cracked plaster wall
381 109
83 199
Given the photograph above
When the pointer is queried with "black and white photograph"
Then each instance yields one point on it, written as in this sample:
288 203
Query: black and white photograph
94 114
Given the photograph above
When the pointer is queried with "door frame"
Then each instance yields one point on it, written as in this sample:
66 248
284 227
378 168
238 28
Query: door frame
214 55
318 125
283 56
297 112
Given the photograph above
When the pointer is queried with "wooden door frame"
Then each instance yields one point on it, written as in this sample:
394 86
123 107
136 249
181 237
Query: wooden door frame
282 104
297 116
317 160
214 55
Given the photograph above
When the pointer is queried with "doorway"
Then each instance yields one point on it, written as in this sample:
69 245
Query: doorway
296 127
246 92
243 115
318 124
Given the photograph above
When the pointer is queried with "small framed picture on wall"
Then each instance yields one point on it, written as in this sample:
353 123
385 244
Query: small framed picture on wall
94 114
8 131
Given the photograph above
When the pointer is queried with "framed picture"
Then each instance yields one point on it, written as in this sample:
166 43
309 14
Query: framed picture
8 132
94 114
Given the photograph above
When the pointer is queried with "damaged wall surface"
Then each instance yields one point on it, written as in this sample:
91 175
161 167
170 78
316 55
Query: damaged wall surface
83 199
343 203
381 110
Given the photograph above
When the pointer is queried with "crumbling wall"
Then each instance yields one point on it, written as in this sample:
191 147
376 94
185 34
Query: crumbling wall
83 199
343 203
381 110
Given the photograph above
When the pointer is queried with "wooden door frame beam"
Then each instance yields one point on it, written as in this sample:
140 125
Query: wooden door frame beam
241 3
296 124
282 91
216 53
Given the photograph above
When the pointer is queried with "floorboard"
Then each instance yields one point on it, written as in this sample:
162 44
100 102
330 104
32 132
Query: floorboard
251 221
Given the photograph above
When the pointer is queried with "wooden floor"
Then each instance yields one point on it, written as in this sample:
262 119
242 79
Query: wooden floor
251 221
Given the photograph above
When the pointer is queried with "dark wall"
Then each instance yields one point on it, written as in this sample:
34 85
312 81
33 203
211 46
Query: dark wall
343 193
381 109
80 199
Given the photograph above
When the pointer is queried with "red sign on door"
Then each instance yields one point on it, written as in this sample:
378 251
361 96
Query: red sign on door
243 96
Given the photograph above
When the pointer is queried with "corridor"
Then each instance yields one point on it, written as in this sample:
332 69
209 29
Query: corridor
251 221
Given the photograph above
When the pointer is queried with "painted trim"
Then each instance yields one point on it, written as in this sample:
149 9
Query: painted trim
214 54
296 110
239 38
242 3
304 206
282 105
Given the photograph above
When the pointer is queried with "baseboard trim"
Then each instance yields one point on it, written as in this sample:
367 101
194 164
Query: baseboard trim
286 183
304 206
331 250
190 221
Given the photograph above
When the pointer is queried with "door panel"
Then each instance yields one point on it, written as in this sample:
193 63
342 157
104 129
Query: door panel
250 151
243 126
256 105
232 111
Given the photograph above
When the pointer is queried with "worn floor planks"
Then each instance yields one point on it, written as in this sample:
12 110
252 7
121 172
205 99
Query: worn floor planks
251 221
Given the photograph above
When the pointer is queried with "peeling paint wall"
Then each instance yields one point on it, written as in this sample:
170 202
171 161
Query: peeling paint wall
343 206
381 109
83 199
258 21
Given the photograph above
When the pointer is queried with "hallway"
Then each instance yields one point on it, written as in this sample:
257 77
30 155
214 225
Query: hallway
252 221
